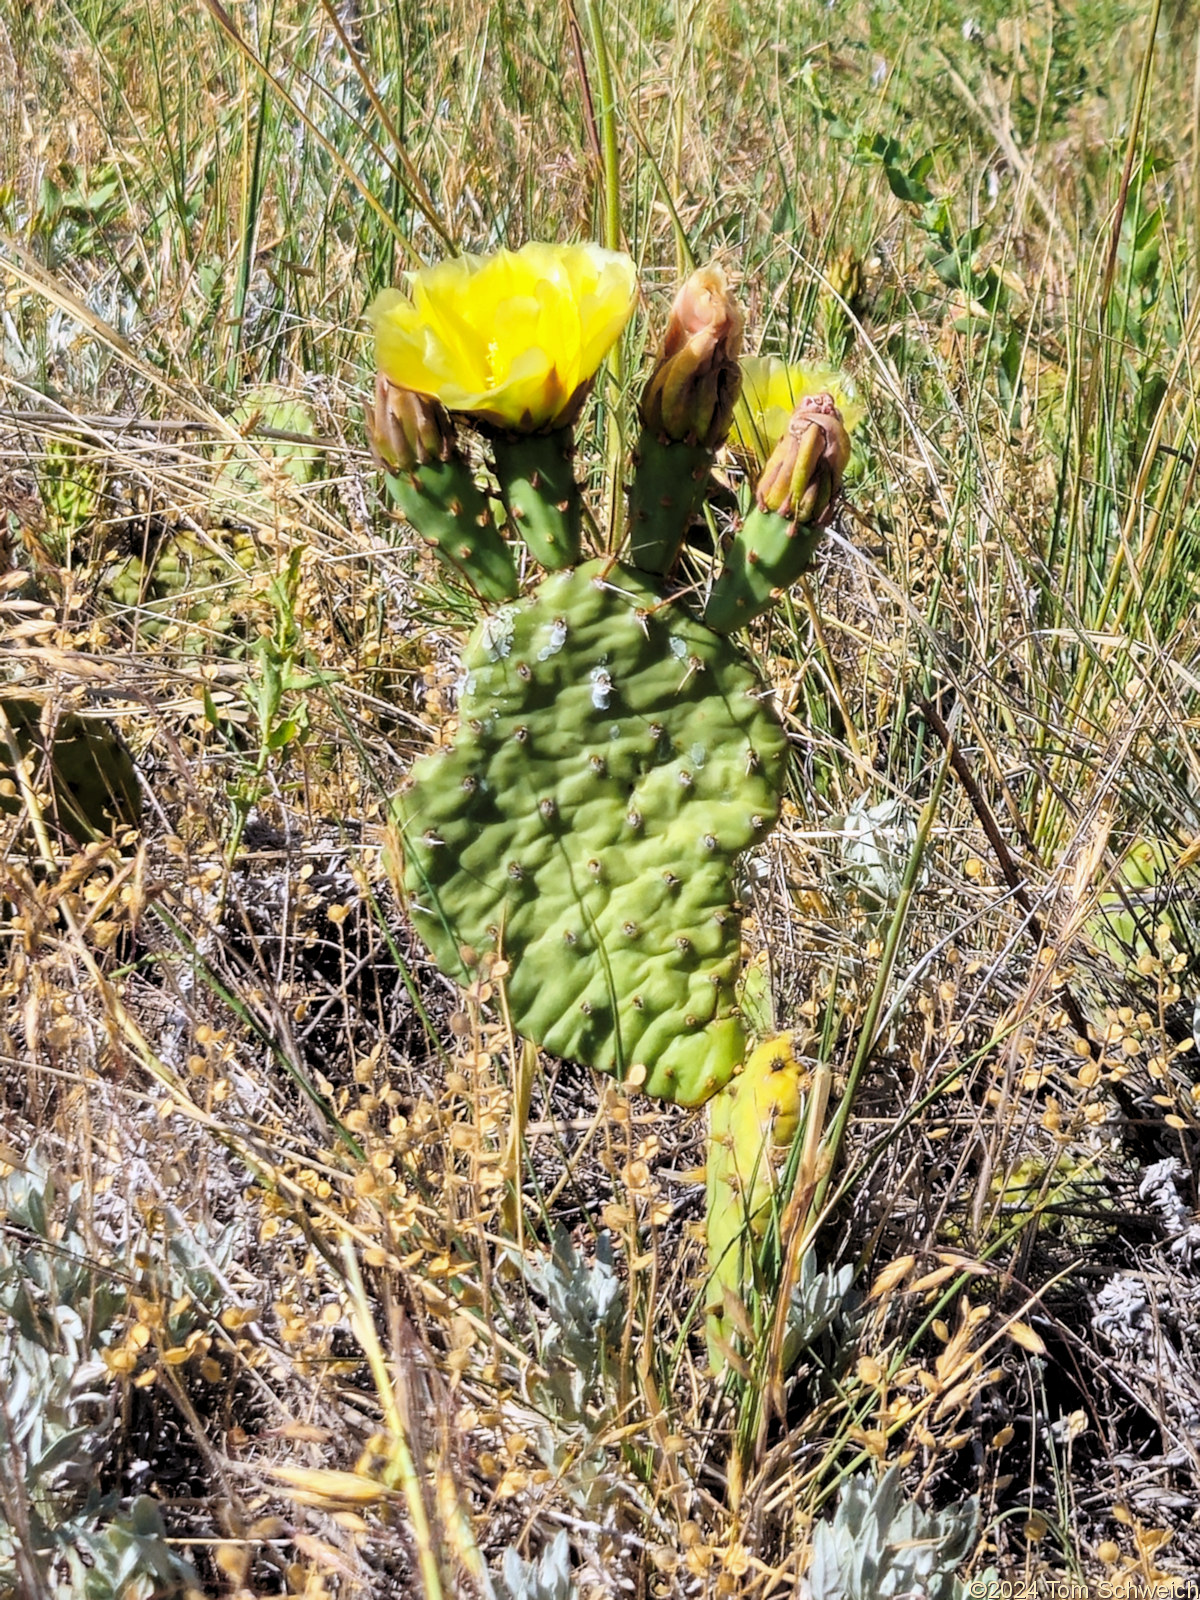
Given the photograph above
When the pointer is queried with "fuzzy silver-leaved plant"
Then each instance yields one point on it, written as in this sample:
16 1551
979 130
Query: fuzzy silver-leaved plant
547 1578
60 1536
881 1546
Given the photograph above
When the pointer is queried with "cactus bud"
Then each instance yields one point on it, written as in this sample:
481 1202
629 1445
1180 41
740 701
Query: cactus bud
693 388
846 276
804 473
686 412
412 441
406 430
795 497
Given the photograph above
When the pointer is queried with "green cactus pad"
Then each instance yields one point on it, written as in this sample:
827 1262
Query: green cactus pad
669 484
537 483
448 509
72 488
768 553
198 583
92 777
613 759
242 489
1148 913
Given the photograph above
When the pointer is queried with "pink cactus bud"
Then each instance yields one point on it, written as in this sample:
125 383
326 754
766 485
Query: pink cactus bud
691 392
804 473
406 430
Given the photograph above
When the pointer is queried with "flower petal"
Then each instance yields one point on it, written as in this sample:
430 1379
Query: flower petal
771 391
511 337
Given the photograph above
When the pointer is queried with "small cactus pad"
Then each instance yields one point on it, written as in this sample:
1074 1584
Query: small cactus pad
242 489
537 483
670 481
768 553
613 759
94 786
752 1123
444 504
200 584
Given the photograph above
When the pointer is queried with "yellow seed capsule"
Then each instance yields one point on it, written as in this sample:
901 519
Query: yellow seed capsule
317 1485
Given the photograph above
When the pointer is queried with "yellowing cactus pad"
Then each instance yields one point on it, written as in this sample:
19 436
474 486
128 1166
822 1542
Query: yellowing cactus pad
752 1124
613 759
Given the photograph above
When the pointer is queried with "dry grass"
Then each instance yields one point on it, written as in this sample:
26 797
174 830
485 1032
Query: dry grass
284 1143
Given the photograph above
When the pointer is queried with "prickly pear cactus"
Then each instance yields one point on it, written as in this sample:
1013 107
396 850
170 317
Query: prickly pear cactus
752 1124
614 757
243 489
615 752
81 761
196 587
1149 915
194 583
71 483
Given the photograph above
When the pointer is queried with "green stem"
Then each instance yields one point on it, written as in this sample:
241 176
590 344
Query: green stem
401 1470
607 118
610 157
866 1039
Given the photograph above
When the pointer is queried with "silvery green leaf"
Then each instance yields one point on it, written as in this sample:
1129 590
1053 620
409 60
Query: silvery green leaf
63 1448
585 1305
548 1578
875 846
131 1554
58 1308
817 1298
580 1295
880 1546
70 1323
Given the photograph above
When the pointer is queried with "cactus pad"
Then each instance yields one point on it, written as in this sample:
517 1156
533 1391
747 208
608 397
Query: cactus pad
768 553
200 584
669 485
242 489
443 502
613 759
93 783
752 1125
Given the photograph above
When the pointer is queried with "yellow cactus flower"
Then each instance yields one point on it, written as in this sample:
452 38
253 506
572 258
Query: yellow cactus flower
771 391
514 339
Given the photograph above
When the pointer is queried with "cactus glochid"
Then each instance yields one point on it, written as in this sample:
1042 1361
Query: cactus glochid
614 753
